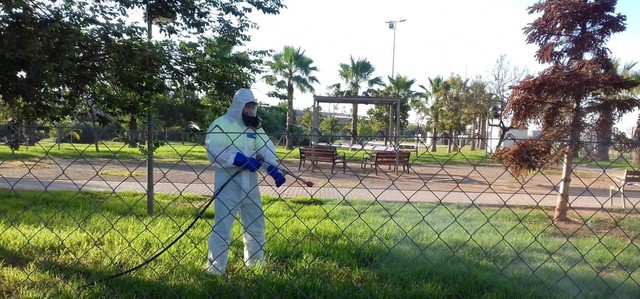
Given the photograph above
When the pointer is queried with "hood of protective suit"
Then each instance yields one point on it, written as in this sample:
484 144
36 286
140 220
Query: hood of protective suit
240 98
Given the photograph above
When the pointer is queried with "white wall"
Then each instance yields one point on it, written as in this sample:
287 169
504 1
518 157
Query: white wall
512 136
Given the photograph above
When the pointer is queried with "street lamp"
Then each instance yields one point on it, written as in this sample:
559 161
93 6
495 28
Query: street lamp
155 14
392 26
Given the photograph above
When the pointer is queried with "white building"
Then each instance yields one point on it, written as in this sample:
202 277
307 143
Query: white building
511 137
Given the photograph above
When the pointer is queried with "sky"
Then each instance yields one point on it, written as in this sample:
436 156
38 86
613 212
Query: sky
438 38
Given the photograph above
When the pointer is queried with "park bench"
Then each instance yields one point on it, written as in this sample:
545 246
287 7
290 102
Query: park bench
630 178
391 158
319 153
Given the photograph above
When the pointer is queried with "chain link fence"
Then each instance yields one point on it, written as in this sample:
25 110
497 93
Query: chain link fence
453 223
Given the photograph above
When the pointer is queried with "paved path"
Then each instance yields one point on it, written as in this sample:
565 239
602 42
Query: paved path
477 184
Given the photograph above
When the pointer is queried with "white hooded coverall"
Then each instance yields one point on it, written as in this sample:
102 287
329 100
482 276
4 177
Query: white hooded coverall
226 136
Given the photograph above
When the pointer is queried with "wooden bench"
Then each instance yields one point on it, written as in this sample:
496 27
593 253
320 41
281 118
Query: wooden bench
390 158
320 153
630 178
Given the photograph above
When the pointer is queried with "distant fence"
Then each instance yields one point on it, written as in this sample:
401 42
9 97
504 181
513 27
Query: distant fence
456 224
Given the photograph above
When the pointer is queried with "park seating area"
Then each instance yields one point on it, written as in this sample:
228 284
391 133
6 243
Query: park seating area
322 153
629 178
373 158
391 158
369 146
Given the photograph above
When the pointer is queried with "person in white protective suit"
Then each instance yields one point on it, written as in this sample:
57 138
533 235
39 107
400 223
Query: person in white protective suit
235 141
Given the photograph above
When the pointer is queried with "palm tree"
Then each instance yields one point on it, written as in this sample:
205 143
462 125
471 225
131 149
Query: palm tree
398 87
290 70
481 102
452 110
608 112
354 74
437 90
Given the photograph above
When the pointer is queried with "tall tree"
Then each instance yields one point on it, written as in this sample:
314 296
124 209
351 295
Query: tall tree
454 111
420 105
398 87
604 108
571 36
274 119
290 70
480 103
217 69
354 74
437 90
80 47
504 75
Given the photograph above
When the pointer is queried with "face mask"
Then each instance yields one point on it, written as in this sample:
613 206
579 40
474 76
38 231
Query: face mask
250 118
254 122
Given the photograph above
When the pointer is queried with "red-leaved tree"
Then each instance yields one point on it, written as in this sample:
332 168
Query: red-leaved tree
571 35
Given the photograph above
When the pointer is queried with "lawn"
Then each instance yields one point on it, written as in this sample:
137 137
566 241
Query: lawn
55 242
194 153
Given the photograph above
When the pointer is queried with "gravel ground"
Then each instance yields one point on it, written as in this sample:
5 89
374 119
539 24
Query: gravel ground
466 178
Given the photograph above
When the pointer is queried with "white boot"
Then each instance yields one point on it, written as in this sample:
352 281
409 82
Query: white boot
213 270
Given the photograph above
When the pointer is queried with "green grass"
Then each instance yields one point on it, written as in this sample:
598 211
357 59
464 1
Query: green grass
193 153
196 154
54 242
171 152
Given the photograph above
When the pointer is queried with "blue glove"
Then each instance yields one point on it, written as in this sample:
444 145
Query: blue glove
250 163
276 175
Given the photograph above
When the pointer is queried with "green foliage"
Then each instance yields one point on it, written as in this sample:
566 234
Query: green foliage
57 55
398 87
315 248
330 126
290 70
274 118
305 121
356 75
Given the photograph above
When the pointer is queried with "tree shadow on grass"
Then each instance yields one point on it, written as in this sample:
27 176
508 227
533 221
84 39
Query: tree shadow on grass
326 265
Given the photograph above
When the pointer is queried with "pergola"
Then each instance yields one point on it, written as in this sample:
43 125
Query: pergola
356 100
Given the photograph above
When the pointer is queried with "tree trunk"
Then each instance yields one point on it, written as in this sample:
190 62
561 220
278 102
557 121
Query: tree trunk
451 141
635 153
58 134
133 129
504 130
482 135
434 138
602 151
562 202
93 129
635 156
354 125
604 126
472 136
563 197
289 129
290 118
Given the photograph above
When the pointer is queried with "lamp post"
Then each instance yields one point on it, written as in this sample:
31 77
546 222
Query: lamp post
150 180
392 26
151 18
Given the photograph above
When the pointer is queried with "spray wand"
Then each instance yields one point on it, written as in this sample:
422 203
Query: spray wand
287 172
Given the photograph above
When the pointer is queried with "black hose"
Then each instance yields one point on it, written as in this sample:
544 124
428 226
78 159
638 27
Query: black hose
198 216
